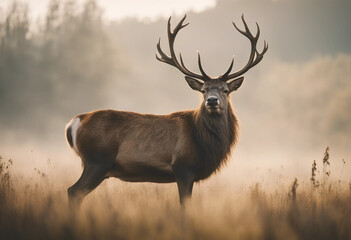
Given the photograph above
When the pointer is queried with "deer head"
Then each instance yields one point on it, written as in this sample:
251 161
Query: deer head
215 90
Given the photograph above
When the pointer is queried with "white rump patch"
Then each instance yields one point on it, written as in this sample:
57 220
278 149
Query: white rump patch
74 124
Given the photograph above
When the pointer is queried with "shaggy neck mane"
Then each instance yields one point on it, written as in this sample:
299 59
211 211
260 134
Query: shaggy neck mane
215 136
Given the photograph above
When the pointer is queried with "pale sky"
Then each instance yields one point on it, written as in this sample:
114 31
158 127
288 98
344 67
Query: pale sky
120 9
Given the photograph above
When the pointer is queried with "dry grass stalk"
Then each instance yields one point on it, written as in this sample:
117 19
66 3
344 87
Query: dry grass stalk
313 179
326 163
292 193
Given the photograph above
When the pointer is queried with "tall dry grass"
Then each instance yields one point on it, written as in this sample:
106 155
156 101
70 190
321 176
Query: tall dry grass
36 208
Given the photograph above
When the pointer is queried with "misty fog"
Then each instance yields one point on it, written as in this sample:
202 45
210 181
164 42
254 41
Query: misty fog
291 106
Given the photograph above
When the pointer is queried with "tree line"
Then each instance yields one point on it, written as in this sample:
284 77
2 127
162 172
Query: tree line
50 68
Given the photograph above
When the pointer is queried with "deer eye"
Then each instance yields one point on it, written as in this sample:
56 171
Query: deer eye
203 91
226 91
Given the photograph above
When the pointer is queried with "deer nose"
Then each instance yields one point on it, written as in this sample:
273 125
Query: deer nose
212 101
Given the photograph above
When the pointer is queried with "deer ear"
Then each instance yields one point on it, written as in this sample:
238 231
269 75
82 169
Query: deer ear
194 84
235 84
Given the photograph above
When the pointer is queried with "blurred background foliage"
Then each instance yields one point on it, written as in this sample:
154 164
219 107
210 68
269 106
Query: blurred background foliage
47 69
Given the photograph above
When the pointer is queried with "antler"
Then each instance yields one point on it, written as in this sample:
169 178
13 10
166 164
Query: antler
255 56
172 60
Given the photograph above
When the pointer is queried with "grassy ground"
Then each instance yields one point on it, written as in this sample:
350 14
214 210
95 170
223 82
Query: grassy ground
35 208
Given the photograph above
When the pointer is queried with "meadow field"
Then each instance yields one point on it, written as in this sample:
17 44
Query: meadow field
60 58
36 208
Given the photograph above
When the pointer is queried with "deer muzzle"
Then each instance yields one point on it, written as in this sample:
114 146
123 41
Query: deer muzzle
212 101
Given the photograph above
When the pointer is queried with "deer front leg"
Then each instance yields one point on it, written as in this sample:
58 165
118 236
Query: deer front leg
184 177
185 189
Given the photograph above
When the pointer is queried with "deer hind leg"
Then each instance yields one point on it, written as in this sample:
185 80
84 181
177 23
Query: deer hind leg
92 176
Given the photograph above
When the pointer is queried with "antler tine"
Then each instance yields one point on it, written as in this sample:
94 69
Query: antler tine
255 56
172 35
178 27
260 55
172 60
265 47
164 57
239 30
247 30
258 31
182 62
200 65
225 75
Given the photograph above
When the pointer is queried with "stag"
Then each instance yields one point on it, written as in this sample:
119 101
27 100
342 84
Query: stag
182 147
